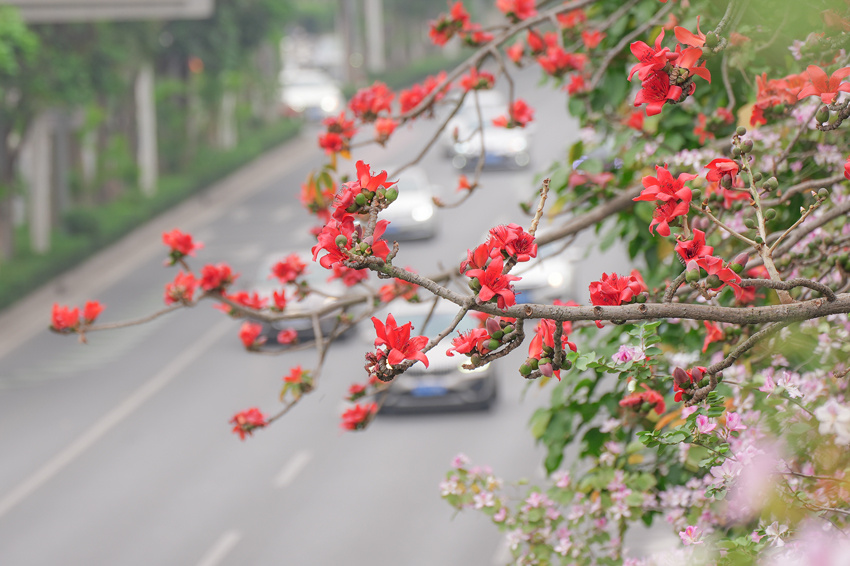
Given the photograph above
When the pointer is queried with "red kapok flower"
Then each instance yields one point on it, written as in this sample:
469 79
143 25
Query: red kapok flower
693 249
357 417
847 168
180 245
714 334
477 81
592 39
400 346
245 422
494 283
348 275
638 398
520 115
514 241
613 290
469 342
516 51
217 277
517 9
182 289
825 87
287 336
572 18
576 84
249 333
689 38
369 102
63 318
384 127
655 91
672 196
721 167
91 311
288 269
295 375
635 121
715 266
652 59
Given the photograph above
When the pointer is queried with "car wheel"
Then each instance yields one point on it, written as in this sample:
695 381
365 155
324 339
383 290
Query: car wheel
459 161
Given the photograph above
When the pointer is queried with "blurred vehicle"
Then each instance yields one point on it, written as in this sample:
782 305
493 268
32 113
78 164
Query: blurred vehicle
310 92
504 148
444 384
325 292
412 215
545 278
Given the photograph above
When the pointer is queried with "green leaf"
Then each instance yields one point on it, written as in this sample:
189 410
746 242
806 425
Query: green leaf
539 421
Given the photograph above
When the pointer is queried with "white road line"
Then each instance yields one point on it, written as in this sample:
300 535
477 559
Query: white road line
292 468
114 417
221 548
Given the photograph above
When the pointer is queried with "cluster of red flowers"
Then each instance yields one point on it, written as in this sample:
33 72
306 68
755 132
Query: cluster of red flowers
356 197
475 80
316 198
673 198
349 276
399 288
773 93
245 422
668 75
297 382
397 342
358 417
556 62
359 390
477 342
457 22
182 289
339 238
368 103
66 319
683 380
180 245
245 299
612 290
652 398
216 278
485 265
338 136
288 269
517 10
519 115
250 334
410 98
542 345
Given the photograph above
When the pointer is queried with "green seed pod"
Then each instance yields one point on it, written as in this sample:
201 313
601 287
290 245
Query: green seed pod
692 276
392 194
750 223
645 407
696 194
756 177
341 241
769 214
703 382
475 284
736 267
508 329
736 151
741 131
726 180
822 114
823 193
524 370
352 208
493 344
773 182
544 361
360 199
747 146
475 359
711 39
567 365
713 281
497 336
641 298
533 363
370 195
759 240
548 350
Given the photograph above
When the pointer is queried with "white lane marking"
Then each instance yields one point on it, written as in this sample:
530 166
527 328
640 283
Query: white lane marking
292 468
114 417
221 548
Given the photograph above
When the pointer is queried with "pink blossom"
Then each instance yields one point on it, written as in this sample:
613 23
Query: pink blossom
705 425
733 423
628 353
460 461
688 411
691 535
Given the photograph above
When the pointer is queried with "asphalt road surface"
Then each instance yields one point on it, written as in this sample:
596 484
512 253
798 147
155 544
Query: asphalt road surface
118 452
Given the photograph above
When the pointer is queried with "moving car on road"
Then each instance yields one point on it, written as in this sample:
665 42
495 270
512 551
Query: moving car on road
444 384
311 93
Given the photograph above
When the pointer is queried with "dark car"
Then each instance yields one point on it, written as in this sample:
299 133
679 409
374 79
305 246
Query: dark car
444 384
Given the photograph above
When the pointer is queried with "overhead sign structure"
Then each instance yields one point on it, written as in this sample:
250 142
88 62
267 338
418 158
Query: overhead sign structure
62 11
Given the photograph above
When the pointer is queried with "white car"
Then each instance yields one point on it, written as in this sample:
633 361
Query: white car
412 214
311 93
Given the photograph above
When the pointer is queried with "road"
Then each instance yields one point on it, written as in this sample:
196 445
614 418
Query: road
118 452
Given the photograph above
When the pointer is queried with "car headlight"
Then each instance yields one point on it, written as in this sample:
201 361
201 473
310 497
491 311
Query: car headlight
519 144
462 148
422 213
329 103
555 279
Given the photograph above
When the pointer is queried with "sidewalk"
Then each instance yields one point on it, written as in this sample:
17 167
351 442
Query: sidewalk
24 319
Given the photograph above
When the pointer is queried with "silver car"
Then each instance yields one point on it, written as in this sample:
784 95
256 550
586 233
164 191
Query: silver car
412 215
444 384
